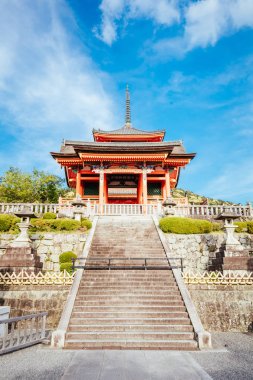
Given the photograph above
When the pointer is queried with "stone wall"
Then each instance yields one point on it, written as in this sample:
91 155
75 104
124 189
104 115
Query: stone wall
27 299
200 251
224 307
50 246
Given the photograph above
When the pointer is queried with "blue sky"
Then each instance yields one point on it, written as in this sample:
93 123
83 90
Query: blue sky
64 65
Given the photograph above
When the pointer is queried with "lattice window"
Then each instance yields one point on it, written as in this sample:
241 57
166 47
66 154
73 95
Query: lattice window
91 188
154 188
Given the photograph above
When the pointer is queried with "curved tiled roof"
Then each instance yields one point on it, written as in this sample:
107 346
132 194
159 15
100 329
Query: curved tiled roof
127 130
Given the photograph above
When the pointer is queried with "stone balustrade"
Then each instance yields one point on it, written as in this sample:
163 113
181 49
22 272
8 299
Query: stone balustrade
203 211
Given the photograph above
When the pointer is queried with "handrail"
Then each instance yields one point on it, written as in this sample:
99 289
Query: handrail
23 331
126 259
23 317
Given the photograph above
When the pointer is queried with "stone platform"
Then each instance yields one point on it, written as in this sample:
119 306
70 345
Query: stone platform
16 259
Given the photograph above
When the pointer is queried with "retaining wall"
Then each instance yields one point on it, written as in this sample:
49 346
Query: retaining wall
29 299
224 307
199 251
50 246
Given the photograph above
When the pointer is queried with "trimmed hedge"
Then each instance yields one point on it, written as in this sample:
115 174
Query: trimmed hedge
8 223
244 227
186 226
49 225
67 267
65 261
86 223
49 215
241 227
66 257
250 227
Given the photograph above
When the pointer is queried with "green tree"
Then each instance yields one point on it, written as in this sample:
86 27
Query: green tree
38 186
47 187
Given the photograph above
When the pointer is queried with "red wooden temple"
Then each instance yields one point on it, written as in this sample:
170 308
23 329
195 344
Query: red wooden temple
125 165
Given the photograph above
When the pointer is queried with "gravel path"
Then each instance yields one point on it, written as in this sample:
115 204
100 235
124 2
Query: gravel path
231 359
35 363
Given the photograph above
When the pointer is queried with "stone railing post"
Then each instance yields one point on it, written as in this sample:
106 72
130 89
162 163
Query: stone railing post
159 207
250 209
4 314
88 207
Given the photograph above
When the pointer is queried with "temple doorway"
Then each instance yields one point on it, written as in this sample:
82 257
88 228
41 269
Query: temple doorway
122 188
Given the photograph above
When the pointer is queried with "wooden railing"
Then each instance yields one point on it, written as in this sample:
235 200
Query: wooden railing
21 332
129 209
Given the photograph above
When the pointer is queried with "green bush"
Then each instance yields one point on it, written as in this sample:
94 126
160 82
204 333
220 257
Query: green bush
66 257
8 223
67 267
47 225
216 226
49 215
42 225
250 227
241 227
185 225
65 224
86 223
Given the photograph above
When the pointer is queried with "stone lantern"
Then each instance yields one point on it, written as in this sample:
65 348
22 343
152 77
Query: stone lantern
23 239
79 208
228 217
20 254
168 206
236 258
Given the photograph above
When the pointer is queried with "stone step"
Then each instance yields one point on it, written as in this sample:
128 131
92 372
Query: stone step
133 272
129 314
128 308
130 327
110 278
187 345
133 321
128 335
128 287
129 298
119 302
125 281
135 292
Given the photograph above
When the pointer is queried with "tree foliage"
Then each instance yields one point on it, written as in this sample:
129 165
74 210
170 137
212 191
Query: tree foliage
38 186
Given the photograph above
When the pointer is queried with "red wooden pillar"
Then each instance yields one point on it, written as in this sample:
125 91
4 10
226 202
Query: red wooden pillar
105 189
167 183
145 187
101 188
78 184
164 190
140 189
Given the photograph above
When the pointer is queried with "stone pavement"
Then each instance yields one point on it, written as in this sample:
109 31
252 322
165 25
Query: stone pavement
231 359
134 365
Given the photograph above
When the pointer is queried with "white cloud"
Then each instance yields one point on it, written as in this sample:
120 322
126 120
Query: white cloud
49 87
205 22
116 12
235 181
208 20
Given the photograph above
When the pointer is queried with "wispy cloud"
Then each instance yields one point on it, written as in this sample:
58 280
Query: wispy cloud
205 22
118 12
49 87
235 181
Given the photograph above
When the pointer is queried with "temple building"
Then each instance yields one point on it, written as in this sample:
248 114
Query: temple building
125 166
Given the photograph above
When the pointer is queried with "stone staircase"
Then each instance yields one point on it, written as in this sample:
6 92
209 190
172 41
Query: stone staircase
130 308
